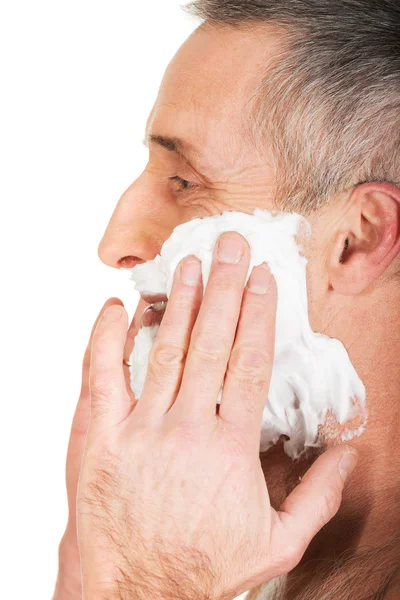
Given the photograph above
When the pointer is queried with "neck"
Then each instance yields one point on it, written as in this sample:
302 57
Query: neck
369 517
365 532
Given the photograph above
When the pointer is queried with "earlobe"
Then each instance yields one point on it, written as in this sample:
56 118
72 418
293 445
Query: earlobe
370 242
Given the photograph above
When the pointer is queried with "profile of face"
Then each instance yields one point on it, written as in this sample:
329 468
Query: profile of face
203 161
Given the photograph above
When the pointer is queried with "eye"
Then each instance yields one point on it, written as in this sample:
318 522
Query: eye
183 183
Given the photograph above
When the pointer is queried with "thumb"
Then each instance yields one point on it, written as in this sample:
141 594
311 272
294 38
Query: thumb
80 424
109 399
313 503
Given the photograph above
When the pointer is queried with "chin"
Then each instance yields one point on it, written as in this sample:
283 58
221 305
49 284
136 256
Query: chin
282 474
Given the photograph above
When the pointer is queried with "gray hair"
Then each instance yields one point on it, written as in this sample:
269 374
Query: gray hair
330 104
366 573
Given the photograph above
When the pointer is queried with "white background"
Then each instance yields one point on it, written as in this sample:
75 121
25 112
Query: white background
78 79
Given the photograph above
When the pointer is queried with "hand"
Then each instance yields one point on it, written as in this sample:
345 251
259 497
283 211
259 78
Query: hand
68 585
172 500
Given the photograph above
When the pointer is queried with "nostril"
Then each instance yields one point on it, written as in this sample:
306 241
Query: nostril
128 262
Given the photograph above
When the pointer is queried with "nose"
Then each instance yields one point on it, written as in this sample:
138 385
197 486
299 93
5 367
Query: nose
139 225
127 243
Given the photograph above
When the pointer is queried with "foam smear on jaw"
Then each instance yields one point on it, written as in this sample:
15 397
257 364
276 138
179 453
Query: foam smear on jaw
312 376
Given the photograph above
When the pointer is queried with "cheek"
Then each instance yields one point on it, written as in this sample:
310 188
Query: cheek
320 296
199 206
216 202
316 308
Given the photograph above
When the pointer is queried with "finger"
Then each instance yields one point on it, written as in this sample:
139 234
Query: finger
134 327
249 369
86 358
313 503
109 398
215 328
129 344
168 354
79 428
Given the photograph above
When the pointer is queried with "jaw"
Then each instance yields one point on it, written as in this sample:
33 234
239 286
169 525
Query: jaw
282 474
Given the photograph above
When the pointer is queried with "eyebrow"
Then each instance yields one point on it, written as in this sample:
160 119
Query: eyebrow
173 144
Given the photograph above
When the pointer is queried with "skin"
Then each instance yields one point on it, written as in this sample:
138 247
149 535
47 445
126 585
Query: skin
204 99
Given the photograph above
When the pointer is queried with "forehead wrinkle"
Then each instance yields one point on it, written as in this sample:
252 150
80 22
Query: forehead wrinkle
215 154
173 143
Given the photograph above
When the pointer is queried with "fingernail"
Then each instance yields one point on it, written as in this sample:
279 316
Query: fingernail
260 279
231 248
191 271
348 462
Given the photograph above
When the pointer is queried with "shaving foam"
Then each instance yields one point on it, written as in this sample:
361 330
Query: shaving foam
312 373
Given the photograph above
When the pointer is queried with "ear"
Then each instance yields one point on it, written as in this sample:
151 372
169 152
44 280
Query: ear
369 239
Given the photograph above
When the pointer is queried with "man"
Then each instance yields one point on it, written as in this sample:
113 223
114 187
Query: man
280 104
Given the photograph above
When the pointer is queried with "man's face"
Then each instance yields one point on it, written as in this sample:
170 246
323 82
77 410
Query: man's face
203 105
202 101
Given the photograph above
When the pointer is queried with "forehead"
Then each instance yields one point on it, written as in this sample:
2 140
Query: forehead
205 92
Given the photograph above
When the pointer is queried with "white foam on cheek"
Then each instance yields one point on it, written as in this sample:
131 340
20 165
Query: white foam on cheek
312 373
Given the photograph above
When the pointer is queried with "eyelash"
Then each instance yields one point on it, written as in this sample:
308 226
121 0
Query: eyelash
186 185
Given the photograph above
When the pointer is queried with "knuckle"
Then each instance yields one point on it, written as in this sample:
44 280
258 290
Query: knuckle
292 556
185 432
166 355
249 362
287 555
210 347
162 377
165 364
329 505
102 387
